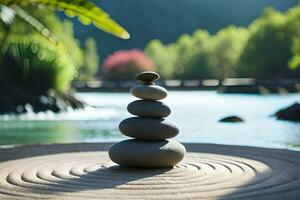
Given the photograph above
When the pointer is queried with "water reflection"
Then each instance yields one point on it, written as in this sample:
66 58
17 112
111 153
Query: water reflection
48 132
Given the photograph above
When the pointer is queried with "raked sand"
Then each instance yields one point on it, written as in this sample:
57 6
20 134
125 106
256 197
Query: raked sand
84 171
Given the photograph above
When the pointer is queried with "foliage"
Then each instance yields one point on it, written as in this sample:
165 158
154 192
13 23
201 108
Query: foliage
28 52
227 44
190 50
58 68
124 65
269 47
293 24
166 20
91 60
63 31
86 12
294 62
186 48
213 56
38 53
164 56
200 55
34 65
265 49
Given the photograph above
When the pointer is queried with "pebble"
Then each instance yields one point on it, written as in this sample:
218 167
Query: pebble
148 128
149 92
147 154
147 77
146 108
231 119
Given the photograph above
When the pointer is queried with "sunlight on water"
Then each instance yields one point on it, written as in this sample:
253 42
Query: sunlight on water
196 113
89 113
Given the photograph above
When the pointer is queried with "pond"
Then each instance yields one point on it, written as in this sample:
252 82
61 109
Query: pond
196 113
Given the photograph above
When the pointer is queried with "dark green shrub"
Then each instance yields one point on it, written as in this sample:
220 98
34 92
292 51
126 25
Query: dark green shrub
34 65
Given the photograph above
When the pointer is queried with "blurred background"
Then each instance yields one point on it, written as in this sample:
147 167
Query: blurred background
232 68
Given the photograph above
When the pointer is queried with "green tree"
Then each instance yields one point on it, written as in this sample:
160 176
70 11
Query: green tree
193 53
185 50
164 57
227 44
200 55
268 50
294 62
293 25
91 60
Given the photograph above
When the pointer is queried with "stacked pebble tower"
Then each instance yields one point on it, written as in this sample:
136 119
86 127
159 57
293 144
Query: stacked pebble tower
151 147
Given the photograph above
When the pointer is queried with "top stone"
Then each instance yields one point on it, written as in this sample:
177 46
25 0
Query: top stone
147 77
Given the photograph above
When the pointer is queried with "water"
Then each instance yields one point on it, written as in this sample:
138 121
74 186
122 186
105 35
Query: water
196 113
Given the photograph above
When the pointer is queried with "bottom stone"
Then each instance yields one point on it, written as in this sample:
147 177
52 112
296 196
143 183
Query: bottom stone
152 154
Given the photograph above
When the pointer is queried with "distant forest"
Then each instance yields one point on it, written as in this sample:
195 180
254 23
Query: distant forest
166 20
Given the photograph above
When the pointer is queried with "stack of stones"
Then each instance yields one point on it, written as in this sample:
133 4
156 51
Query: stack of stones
151 147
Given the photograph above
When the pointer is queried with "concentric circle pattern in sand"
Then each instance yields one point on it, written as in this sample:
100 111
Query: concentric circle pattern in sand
90 175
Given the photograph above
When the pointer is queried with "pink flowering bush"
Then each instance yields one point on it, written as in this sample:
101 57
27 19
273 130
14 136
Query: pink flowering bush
124 65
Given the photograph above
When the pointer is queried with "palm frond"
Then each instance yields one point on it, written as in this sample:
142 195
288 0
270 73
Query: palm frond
7 15
43 30
86 12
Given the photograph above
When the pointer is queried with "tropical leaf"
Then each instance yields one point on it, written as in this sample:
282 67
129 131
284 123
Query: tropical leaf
43 30
86 12
7 15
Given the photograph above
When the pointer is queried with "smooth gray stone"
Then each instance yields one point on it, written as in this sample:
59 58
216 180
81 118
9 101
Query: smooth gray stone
149 92
146 108
147 77
152 154
291 113
148 128
231 119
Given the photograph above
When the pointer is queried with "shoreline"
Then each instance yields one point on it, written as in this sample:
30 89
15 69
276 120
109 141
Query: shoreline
227 86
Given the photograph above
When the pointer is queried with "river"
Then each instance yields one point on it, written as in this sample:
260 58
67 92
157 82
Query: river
196 113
